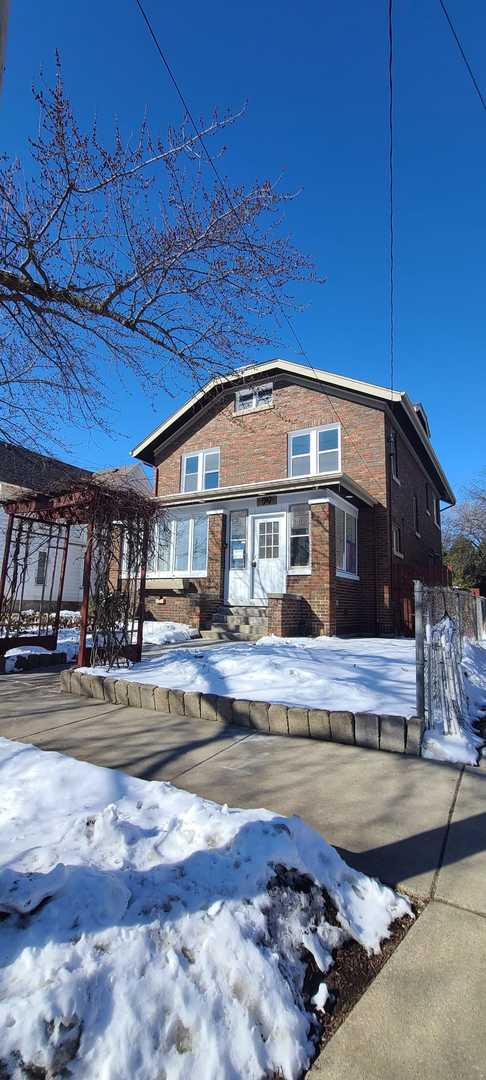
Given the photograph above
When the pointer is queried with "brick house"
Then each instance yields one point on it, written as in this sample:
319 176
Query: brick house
297 501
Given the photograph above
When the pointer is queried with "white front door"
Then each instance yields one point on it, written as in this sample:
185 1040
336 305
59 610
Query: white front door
269 561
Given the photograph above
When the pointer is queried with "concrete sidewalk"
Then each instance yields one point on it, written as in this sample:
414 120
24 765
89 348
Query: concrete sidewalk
415 824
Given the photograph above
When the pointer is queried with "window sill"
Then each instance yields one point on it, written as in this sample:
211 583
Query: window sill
418 535
347 577
296 571
428 513
396 480
255 409
398 554
181 576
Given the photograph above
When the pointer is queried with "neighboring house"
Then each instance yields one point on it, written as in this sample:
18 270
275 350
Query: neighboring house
23 471
310 496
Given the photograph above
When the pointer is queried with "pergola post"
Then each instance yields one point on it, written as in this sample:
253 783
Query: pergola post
6 555
141 598
86 591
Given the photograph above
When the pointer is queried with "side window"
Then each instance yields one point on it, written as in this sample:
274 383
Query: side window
41 569
299 536
238 528
200 472
346 542
415 513
397 540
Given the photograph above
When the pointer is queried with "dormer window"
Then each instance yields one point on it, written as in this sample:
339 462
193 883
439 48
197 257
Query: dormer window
250 398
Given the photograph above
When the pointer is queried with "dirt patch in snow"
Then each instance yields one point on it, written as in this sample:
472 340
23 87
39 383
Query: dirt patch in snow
354 970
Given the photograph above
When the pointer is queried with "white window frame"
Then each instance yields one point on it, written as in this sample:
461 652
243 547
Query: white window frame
349 511
437 511
394 469
172 572
397 533
201 458
298 571
313 450
254 407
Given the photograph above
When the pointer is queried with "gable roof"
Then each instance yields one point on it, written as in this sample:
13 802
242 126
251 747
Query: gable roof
398 400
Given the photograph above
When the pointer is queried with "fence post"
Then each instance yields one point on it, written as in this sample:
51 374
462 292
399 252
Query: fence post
419 649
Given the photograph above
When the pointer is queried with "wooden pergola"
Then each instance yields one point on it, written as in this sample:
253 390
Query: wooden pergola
46 520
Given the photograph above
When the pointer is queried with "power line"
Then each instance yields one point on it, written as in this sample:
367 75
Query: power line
464 57
222 185
391 208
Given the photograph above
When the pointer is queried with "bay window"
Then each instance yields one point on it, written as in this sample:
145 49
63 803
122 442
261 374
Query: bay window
200 471
181 547
299 537
315 451
346 542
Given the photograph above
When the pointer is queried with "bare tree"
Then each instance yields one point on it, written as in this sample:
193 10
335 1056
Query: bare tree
129 255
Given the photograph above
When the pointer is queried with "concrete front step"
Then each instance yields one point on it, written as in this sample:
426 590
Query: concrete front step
221 633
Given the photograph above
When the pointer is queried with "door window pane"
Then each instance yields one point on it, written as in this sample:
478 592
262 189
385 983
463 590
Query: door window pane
269 540
200 544
181 561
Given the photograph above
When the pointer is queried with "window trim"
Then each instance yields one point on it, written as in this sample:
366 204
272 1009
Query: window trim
437 511
397 531
298 571
313 432
353 512
255 407
173 574
201 456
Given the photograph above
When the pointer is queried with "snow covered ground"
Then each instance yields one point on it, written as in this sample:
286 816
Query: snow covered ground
359 674
148 933
154 633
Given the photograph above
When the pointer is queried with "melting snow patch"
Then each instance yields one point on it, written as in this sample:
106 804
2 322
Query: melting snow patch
147 932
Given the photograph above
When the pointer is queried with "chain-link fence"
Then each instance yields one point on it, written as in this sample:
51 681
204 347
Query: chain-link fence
444 619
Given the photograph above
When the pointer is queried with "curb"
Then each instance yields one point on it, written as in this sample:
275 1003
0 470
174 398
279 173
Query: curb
394 734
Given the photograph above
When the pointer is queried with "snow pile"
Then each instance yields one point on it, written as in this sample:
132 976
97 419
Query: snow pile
463 747
148 933
154 633
167 633
362 675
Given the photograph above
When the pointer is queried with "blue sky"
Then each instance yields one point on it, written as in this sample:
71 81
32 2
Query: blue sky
315 79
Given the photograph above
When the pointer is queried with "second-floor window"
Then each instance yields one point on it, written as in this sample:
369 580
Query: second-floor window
397 540
427 498
315 451
437 512
200 472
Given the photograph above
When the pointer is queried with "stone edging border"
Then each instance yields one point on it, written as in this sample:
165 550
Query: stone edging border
391 733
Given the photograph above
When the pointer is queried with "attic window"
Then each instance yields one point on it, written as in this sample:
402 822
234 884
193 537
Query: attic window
253 397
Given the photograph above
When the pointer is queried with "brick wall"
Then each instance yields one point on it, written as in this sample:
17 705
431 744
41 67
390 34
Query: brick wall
286 615
422 555
254 446
318 589
356 601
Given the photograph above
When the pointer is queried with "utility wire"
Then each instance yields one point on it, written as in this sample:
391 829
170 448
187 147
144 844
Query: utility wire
220 180
391 208
464 57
